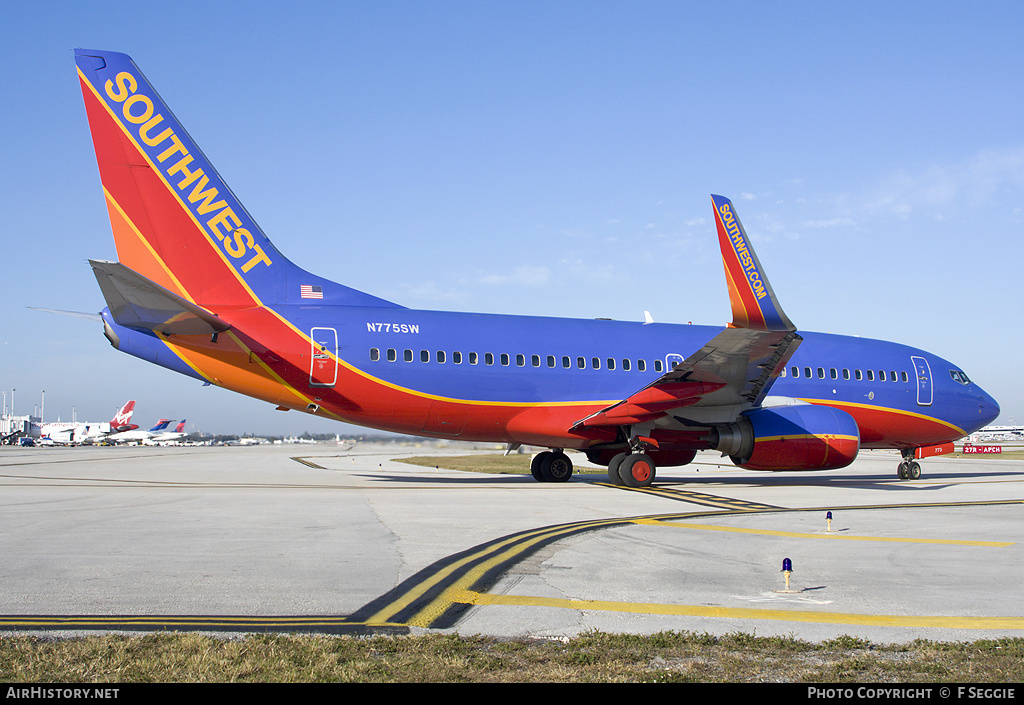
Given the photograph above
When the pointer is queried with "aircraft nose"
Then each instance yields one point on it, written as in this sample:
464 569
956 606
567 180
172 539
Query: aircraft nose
988 408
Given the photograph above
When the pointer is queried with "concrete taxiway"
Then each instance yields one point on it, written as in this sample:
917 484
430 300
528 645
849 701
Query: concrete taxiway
337 539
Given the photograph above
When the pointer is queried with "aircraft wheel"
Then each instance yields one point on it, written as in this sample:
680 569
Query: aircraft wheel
901 471
536 465
613 469
637 470
914 471
556 468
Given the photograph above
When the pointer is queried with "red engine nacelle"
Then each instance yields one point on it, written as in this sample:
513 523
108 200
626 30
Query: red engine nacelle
801 437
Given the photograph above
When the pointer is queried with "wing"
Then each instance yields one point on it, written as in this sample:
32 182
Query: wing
734 370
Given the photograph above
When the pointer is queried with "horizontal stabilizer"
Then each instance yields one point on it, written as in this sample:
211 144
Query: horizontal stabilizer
137 302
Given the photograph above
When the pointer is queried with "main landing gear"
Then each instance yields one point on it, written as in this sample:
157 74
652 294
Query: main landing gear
632 469
909 469
551 466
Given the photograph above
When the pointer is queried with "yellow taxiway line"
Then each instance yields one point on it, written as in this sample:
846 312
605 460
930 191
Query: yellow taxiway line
884 620
834 536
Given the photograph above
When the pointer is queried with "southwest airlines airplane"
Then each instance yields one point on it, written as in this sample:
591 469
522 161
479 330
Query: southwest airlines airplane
199 289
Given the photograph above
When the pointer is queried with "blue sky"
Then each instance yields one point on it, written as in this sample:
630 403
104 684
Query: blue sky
551 158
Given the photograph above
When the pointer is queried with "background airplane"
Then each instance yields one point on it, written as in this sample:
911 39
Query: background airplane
199 289
167 436
138 435
73 432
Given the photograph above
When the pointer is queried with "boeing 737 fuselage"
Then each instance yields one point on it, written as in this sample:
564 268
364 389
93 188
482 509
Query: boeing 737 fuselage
199 289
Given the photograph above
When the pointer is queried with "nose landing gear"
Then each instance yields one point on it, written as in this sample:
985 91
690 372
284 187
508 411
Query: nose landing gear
909 469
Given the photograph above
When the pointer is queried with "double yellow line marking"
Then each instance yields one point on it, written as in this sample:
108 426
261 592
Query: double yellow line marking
434 599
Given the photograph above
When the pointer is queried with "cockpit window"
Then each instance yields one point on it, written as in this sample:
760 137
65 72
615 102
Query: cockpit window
960 377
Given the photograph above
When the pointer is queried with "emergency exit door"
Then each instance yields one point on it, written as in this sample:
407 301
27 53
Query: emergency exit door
323 366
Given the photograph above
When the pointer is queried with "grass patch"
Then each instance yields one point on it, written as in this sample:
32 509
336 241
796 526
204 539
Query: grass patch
445 658
497 463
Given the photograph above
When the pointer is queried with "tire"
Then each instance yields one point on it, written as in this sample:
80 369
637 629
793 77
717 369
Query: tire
637 470
556 468
613 469
914 471
901 471
537 465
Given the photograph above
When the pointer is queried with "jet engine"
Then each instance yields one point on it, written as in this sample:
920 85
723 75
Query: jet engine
799 437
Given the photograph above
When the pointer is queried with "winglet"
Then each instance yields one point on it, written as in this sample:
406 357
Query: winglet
753 302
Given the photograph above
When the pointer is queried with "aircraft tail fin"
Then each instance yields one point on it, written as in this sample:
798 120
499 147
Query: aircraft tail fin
175 221
123 416
753 302
160 426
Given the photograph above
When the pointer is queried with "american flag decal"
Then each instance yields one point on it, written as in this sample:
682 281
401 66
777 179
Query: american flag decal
312 291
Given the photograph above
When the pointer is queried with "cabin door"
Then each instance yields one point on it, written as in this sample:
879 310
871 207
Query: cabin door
924 380
323 366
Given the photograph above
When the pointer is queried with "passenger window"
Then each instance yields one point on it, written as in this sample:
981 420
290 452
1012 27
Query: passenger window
858 375
473 359
440 356
392 354
821 373
488 358
657 366
424 356
407 355
796 372
833 374
504 359
641 365
807 372
566 363
871 376
596 363
456 358
881 375
846 374
551 360
375 355
611 363
581 363
535 360
904 377
625 364
520 360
